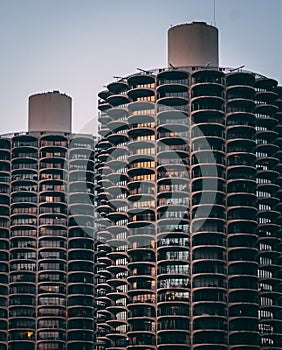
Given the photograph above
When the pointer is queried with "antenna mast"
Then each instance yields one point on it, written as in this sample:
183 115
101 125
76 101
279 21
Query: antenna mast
214 12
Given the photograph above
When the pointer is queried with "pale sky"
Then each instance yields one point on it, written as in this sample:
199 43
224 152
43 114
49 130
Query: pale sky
77 46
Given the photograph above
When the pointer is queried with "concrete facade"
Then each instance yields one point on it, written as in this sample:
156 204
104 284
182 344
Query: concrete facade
194 44
51 111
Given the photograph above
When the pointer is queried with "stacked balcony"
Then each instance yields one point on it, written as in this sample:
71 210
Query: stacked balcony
52 237
267 114
242 210
80 277
23 234
207 173
4 238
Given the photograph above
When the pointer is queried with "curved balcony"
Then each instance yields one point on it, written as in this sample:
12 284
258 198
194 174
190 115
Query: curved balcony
104 119
207 76
239 340
203 328
24 140
103 105
172 103
118 137
118 216
5 143
265 114
137 93
24 163
173 77
208 142
48 173
240 78
141 126
54 140
174 133
24 152
142 237
103 131
177 326
242 131
172 124
5 187
117 100
116 125
240 119
204 103
141 187
214 89
240 92
265 84
115 114
172 205
267 148
101 158
102 145
142 108
117 87
172 143
117 165
172 89
205 130
240 158
240 105
266 161
141 80
139 132
141 150
267 97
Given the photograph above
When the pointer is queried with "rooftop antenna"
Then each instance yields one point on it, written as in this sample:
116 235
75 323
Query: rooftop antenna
143 70
116 77
214 12
237 68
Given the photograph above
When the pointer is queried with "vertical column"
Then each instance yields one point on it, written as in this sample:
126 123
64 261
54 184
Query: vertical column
208 243
241 211
23 243
112 208
80 260
52 239
5 190
173 255
102 262
142 212
267 152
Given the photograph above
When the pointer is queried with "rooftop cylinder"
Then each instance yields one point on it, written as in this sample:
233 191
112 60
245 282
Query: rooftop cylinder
51 111
193 44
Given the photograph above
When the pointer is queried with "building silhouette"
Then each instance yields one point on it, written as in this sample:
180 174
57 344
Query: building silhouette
188 181
46 232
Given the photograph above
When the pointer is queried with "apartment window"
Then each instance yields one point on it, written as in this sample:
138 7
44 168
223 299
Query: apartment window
265 314
264 274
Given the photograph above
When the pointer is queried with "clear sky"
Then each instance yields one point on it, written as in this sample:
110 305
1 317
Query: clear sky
77 46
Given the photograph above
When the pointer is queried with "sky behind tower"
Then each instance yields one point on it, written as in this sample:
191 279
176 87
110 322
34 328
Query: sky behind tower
77 46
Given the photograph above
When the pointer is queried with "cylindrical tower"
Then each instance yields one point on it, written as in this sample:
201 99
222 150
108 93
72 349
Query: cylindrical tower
189 203
47 232
193 44
49 111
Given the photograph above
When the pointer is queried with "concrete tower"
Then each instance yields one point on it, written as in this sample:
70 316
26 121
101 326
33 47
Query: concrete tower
193 44
50 111
175 269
